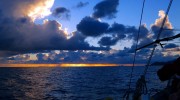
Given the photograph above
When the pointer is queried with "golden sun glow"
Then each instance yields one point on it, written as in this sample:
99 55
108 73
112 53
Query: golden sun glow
41 10
67 65
88 65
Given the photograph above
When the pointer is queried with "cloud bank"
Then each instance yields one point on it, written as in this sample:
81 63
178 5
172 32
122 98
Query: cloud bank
19 33
92 27
106 8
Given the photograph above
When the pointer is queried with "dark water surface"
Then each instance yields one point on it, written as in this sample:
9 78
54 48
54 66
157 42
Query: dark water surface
70 83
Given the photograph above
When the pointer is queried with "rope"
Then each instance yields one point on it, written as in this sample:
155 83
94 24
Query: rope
142 11
159 34
141 88
134 58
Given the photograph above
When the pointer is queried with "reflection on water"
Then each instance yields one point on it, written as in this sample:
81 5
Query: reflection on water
22 83
69 83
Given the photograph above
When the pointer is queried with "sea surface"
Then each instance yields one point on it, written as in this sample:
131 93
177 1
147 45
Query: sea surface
82 83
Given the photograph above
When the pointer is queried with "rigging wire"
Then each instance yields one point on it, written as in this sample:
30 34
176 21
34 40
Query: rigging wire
158 36
164 20
137 41
148 63
141 87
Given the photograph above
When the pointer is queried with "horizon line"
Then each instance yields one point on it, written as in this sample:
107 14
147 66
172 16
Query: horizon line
68 65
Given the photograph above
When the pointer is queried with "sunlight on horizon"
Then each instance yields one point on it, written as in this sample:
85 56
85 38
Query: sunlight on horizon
67 65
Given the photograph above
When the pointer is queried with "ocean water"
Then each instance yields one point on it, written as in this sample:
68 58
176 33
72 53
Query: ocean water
83 83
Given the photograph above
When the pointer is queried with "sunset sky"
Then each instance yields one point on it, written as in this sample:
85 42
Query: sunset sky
85 31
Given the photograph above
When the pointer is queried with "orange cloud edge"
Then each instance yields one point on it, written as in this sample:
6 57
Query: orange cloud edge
67 65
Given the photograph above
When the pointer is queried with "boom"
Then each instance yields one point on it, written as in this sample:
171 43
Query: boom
160 40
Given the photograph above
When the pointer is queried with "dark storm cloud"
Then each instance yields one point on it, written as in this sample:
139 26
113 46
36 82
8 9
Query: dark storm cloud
92 27
19 34
143 32
117 28
159 56
81 4
112 56
41 57
8 53
61 12
171 45
120 32
80 56
77 43
108 41
132 32
126 56
165 33
74 57
106 8
39 37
